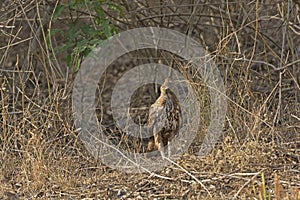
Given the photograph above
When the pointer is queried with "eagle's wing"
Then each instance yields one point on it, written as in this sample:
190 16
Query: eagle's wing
157 118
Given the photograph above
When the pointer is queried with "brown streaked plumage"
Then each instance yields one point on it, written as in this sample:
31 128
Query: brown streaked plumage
164 120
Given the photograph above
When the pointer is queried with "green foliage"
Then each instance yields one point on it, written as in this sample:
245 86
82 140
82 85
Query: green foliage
83 35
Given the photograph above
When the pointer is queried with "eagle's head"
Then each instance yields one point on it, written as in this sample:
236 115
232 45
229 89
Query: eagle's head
164 88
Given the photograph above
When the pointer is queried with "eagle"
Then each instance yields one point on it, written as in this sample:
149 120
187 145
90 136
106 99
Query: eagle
164 121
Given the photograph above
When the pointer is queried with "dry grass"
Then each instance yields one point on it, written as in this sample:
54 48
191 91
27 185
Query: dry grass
256 48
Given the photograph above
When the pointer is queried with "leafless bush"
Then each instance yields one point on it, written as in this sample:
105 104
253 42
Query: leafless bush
255 46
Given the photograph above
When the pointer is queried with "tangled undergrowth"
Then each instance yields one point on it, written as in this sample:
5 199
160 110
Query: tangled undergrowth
256 48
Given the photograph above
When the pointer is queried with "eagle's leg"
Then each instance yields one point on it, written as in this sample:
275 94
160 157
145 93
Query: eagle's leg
151 145
159 144
171 137
169 149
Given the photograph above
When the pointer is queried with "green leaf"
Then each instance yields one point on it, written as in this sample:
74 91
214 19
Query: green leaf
81 37
58 11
